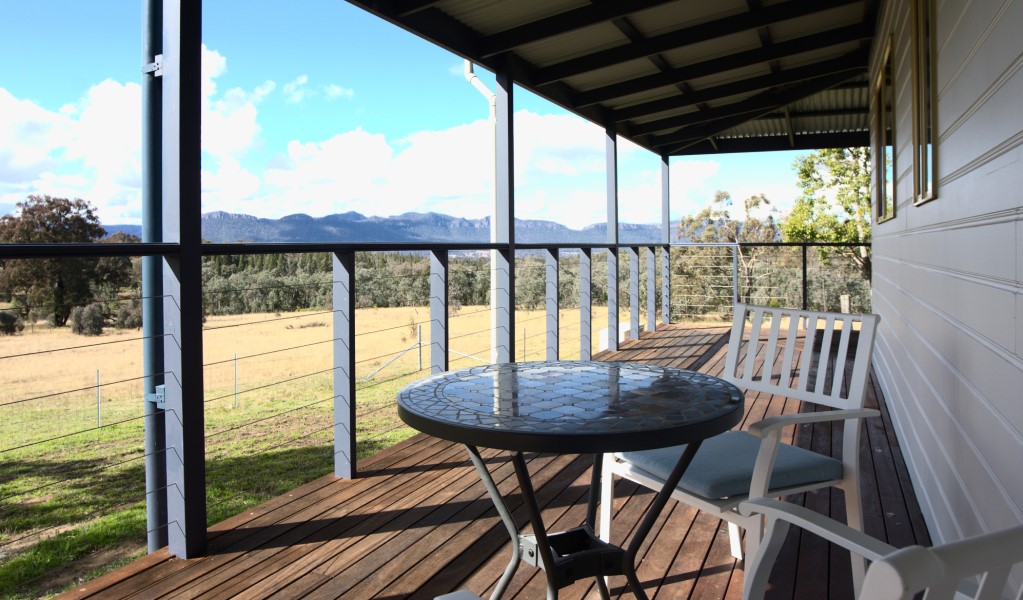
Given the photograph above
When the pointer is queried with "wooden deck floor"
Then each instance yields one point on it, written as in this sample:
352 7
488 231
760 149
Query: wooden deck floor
418 523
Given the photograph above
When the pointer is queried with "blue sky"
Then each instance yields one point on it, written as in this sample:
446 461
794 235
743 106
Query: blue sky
317 115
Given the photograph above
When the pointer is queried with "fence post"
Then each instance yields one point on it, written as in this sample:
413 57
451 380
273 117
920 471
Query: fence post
236 380
99 401
419 345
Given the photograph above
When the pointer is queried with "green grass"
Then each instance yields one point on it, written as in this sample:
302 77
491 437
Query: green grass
85 493
73 507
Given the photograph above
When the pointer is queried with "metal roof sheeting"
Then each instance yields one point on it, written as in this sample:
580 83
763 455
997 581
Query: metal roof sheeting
674 76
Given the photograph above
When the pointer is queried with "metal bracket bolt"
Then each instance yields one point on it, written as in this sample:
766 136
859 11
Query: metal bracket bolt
159 397
154 68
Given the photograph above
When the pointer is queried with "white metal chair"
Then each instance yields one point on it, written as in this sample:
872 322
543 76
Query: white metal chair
817 357
894 574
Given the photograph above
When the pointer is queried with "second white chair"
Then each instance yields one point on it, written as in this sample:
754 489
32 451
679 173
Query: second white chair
816 357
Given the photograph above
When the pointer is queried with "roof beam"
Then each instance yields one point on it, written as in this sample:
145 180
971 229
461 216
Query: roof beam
688 135
854 61
563 23
725 63
683 37
411 7
815 141
770 99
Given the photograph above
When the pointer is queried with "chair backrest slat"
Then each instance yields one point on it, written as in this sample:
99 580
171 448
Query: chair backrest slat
772 344
821 348
824 357
790 343
753 347
841 357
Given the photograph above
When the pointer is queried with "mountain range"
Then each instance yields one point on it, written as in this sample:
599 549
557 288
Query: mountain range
224 227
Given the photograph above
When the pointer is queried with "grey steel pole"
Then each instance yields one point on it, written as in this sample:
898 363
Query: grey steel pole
152 277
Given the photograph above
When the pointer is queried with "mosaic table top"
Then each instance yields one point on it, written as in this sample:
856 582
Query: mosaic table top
571 407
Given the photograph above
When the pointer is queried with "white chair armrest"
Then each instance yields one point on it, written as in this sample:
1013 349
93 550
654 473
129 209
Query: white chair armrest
764 426
855 541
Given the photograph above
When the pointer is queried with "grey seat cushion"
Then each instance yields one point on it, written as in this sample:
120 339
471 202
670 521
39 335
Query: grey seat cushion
723 467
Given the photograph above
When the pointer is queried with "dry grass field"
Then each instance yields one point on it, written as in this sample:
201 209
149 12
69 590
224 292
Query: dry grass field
72 491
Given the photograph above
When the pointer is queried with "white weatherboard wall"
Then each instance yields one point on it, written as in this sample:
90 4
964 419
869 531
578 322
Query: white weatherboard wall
947 273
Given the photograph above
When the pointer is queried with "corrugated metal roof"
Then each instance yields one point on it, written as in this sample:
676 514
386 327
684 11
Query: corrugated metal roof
674 76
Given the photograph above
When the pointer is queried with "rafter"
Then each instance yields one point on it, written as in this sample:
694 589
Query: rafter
694 133
812 141
854 61
738 60
566 22
683 37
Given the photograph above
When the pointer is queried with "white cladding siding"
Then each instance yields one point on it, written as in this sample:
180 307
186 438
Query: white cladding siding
947 273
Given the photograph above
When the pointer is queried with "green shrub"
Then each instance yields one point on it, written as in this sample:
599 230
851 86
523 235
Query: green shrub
10 323
88 320
129 316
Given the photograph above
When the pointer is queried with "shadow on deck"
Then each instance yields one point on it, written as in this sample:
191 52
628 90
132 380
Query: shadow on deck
418 523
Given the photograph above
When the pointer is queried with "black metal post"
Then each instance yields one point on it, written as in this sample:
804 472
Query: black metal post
152 277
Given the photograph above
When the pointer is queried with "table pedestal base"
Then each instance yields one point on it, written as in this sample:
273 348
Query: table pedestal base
577 553
572 555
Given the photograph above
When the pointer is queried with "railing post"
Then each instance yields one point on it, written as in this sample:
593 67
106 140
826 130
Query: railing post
666 284
805 280
344 365
585 305
553 305
612 299
633 293
182 284
735 274
651 291
438 311
665 240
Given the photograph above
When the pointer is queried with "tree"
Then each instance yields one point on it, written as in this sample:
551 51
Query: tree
835 205
51 286
715 224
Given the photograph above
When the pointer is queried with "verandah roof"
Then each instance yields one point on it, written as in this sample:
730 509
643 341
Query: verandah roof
678 77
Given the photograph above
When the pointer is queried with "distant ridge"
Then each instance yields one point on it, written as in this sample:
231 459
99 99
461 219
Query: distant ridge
224 227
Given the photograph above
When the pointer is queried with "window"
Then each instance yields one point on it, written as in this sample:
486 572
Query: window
923 101
884 137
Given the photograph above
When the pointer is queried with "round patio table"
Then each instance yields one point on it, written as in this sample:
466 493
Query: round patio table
569 407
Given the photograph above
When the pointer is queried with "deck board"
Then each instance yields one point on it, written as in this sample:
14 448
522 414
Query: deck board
418 523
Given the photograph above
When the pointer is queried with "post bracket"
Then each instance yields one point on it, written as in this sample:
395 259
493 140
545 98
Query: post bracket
159 397
154 68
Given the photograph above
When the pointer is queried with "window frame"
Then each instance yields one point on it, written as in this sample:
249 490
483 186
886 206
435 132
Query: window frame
924 103
883 146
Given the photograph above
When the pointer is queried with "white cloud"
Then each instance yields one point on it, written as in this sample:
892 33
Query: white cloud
91 148
334 91
296 90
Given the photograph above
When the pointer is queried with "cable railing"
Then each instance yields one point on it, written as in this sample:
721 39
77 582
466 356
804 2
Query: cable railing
270 378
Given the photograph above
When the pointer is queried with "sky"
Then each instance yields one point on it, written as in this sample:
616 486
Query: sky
341 112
